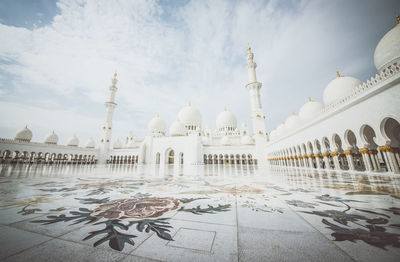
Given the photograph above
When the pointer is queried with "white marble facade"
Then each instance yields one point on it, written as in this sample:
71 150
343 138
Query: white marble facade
357 127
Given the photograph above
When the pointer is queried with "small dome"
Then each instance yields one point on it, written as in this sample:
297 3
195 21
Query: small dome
157 126
310 110
189 115
51 138
226 120
90 143
225 141
131 144
292 122
177 129
73 141
247 140
24 135
281 129
388 49
340 87
117 144
273 134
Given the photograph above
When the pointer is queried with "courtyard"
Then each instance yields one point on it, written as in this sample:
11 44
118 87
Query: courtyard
197 213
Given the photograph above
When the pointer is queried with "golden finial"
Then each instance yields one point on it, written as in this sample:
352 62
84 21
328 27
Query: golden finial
337 74
115 73
398 19
293 114
248 47
309 99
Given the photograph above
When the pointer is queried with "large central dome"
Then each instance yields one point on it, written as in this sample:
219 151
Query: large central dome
190 116
226 120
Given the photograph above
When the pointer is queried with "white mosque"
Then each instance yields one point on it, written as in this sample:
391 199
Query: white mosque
356 128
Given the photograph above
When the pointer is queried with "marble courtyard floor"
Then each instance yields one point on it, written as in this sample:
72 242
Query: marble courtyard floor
203 213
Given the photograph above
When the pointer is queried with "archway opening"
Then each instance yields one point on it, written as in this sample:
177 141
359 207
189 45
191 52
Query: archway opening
171 155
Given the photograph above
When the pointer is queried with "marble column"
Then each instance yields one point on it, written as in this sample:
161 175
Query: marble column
349 156
335 156
317 161
366 159
326 160
374 159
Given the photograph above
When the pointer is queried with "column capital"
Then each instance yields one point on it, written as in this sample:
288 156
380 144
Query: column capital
363 150
348 152
334 154
385 148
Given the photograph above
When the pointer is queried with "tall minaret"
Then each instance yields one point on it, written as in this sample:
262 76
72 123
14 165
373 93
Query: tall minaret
106 128
257 116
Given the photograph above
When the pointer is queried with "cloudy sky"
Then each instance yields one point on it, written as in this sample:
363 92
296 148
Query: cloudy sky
57 58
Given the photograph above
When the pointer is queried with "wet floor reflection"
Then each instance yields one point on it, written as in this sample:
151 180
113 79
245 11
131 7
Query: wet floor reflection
350 209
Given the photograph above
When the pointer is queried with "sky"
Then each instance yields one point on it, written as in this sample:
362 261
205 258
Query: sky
57 59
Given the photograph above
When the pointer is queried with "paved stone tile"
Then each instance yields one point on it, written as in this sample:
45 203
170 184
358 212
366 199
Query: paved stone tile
224 218
59 250
285 220
131 258
361 251
11 215
52 230
14 240
224 247
184 238
270 245
79 234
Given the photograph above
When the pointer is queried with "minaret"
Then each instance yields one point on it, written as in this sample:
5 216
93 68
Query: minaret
106 128
257 116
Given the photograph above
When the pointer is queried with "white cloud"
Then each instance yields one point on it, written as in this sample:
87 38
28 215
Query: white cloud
166 57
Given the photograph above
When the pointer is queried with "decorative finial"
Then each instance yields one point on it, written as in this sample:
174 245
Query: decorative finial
189 103
309 99
158 115
224 108
398 19
293 114
337 74
248 47
115 73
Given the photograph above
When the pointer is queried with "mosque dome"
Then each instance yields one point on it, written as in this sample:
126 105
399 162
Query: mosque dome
73 141
226 119
51 138
117 144
90 143
131 144
246 140
157 125
189 115
225 141
388 49
281 128
310 109
292 122
24 135
272 134
340 87
177 129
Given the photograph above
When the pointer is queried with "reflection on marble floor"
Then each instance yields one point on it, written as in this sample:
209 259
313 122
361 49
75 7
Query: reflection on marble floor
202 213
